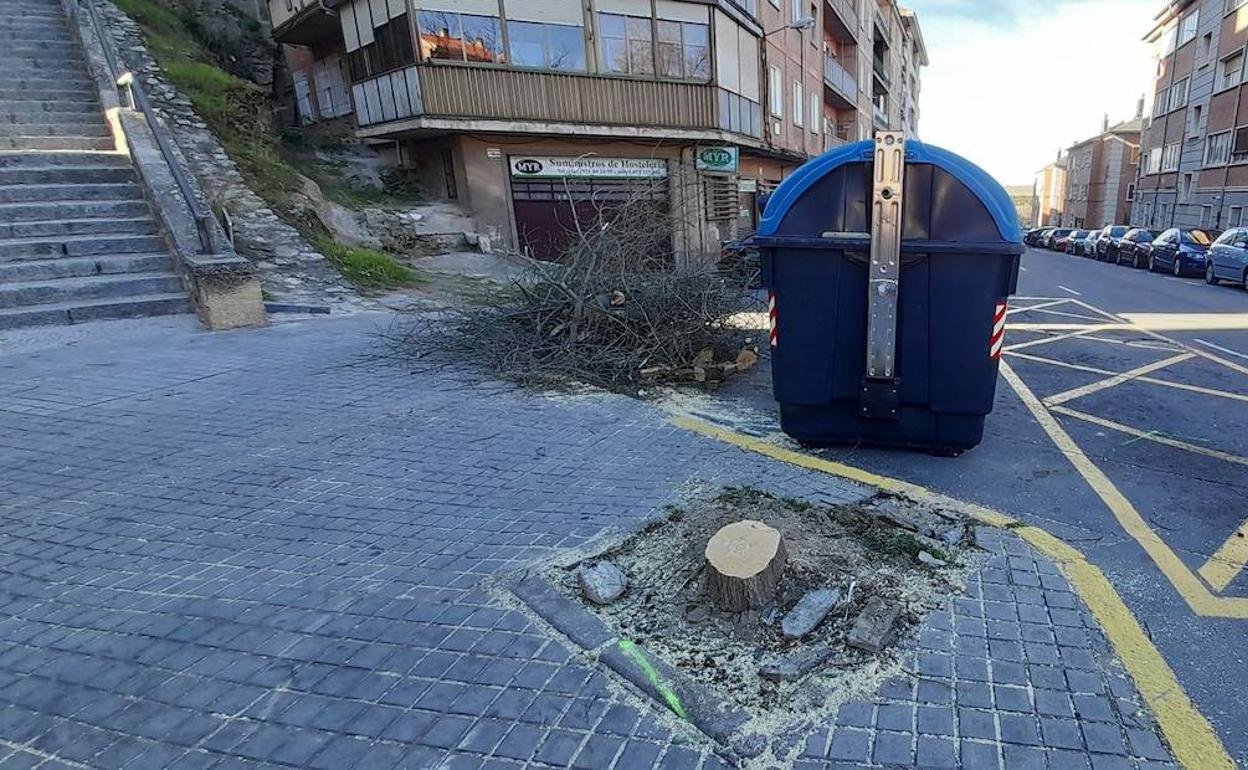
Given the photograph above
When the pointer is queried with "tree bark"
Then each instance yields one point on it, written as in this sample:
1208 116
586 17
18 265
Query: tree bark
744 562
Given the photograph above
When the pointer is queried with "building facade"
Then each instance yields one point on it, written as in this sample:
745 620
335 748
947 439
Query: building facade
1051 193
1194 143
533 113
1101 176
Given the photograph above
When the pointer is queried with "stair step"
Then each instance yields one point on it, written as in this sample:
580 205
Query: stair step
67 92
93 287
19 109
81 312
26 212
77 267
25 249
56 143
30 84
98 128
31 193
66 175
60 159
65 228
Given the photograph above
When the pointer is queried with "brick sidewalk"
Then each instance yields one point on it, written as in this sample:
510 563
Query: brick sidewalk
268 548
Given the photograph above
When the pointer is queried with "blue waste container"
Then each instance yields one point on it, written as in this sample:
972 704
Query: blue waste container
955 266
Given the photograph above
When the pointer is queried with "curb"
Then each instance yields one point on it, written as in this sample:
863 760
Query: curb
1193 740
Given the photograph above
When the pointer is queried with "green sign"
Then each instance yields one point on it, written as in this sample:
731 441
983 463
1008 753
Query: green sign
718 159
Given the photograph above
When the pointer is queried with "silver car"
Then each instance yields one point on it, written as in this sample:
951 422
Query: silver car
1228 258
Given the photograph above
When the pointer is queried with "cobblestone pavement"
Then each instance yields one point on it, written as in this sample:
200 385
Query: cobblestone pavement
272 548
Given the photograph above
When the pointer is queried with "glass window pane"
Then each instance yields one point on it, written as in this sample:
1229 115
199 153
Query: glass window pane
671 60
697 52
638 28
566 47
696 34
440 35
669 32
640 57
483 39
526 44
610 25
614 55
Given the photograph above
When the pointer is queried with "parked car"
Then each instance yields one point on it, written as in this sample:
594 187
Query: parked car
1228 258
1035 236
1072 241
1180 251
1053 236
1107 242
1130 245
1087 247
1032 237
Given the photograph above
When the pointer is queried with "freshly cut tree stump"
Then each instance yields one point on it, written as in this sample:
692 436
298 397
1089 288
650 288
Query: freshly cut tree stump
744 561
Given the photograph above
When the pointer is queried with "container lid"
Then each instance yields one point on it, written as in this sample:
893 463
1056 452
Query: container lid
994 197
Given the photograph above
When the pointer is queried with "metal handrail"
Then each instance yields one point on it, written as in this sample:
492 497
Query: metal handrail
136 99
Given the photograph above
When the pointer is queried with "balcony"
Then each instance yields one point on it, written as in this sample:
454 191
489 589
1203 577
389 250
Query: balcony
840 20
842 86
441 91
303 22
879 68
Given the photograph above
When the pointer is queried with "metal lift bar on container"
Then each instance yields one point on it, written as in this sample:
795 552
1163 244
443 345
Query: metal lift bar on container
881 386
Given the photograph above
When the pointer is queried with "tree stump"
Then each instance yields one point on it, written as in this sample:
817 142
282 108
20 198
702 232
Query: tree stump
744 561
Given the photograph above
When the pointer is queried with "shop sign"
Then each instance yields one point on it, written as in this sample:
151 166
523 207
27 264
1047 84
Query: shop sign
717 159
747 185
543 167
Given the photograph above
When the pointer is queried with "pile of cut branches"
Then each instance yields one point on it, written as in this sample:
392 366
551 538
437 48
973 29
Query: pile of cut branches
616 312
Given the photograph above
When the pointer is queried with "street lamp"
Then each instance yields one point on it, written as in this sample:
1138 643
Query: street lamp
806 22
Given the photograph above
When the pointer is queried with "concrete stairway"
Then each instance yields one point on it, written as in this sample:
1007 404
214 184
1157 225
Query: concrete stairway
77 238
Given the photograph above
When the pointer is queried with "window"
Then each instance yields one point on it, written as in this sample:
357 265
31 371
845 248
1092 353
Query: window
627 44
1206 215
331 91
1193 127
1178 94
814 112
1235 219
1206 48
1232 66
1218 149
1239 147
391 48
1170 157
1131 191
1187 27
1185 189
1161 102
1233 4
796 7
684 50
459 37
775 92
546 46
799 97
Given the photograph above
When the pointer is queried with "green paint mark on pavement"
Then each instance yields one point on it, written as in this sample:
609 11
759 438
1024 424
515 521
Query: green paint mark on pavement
634 652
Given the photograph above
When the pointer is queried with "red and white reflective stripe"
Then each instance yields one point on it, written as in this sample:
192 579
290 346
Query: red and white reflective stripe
997 340
771 317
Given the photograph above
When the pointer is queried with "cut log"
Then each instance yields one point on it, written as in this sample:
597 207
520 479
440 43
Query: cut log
744 562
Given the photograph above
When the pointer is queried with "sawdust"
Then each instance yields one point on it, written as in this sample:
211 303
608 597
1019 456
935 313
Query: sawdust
666 608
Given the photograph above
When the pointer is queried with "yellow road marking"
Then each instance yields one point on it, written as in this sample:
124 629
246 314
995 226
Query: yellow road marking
1177 322
1150 436
1150 380
1114 381
1181 577
1195 743
1228 561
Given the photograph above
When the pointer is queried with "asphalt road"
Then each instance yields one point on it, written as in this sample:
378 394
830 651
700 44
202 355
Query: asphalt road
1177 455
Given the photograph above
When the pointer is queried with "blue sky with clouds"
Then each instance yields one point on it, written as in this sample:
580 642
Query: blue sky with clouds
1011 81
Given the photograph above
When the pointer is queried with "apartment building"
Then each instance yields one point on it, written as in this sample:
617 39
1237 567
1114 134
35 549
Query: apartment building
1194 142
1050 192
1101 176
537 113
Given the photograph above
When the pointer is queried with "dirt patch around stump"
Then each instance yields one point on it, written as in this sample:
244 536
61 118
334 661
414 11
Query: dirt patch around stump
870 551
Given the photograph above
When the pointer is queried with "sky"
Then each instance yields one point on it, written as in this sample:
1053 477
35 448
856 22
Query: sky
1011 81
